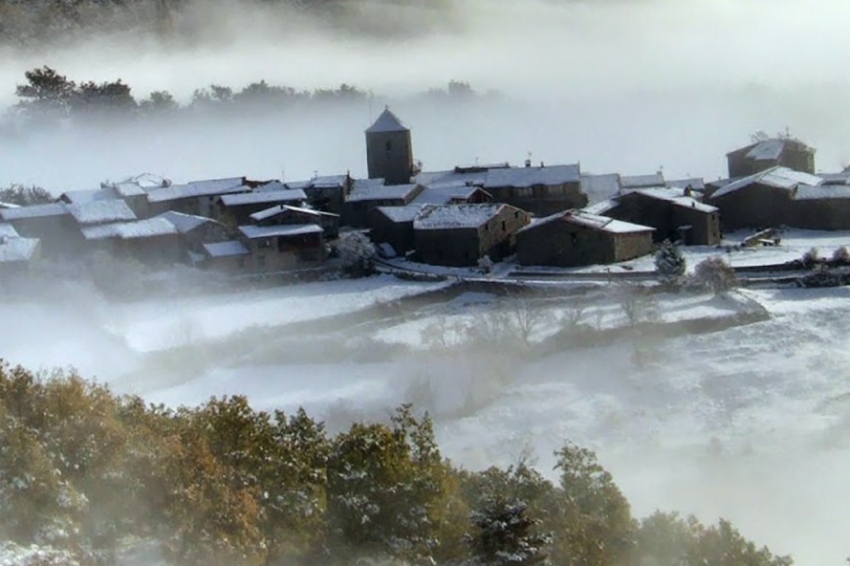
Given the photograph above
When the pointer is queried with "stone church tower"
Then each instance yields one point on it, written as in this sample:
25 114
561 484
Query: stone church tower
389 151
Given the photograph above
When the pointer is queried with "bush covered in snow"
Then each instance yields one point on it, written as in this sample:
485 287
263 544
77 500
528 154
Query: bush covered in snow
357 253
84 474
715 274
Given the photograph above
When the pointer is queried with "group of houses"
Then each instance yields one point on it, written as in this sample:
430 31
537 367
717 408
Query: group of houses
544 215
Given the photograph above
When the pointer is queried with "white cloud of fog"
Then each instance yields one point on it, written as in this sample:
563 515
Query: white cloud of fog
620 86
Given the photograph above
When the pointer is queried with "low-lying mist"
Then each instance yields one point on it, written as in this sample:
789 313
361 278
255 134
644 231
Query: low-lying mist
618 86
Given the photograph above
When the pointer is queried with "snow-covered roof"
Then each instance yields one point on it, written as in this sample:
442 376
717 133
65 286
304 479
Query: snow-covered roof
147 181
386 122
199 189
778 177
81 197
531 176
695 183
226 249
184 222
364 190
17 249
842 178
101 211
672 195
282 230
329 181
601 207
241 199
444 193
129 189
9 205
148 228
429 178
8 231
597 222
447 216
34 211
808 192
641 181
401 213
600 187
767 149
277 209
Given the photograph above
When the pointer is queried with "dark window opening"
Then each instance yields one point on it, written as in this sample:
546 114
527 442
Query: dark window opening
389 145
574 238
504 226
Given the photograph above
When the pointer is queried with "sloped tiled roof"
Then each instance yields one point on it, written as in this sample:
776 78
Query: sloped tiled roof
387 122
448 216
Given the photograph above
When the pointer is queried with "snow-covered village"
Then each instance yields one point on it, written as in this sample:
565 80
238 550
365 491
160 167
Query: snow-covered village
585 303
498 220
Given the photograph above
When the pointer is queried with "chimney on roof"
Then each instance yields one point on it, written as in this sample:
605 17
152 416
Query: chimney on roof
528 160
541 164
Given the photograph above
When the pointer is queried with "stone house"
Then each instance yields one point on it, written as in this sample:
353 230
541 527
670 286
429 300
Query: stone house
461 234
195 198
674 213
283 247
768 153
283 214
236 209
393 225
540 190
366 195
16 253
767 200
452 193
152 241
575 238
231 257
51 224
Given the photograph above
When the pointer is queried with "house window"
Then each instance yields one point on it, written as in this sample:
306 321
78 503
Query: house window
574 238
388 146
486 227
504 226
264 244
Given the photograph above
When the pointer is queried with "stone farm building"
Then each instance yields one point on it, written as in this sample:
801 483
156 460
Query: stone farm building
675 214
52 224
539 190
576 238
283 247
368 194
461 234
783 197
16 253
284 214
768 153
196 198
393 225
236 209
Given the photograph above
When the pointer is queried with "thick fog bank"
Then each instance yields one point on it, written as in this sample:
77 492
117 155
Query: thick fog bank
619 86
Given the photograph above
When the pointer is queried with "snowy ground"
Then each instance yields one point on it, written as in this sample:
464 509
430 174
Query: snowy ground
747 423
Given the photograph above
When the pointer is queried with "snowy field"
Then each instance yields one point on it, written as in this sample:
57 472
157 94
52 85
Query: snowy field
748 422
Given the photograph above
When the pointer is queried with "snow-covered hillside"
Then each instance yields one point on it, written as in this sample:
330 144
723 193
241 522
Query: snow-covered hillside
743 422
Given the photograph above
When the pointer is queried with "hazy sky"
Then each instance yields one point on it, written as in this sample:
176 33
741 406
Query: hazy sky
625 86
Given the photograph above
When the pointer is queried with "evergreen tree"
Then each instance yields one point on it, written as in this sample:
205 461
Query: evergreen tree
505 534
669 262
